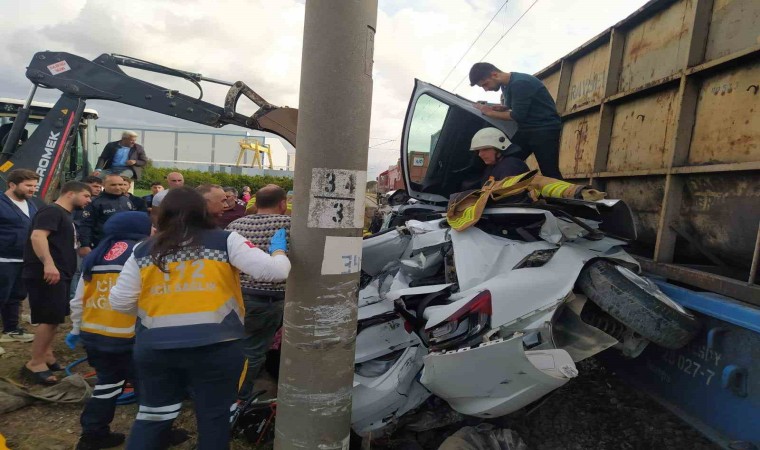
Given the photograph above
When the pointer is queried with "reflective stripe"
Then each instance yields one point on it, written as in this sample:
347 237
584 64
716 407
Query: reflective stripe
233 407
510 181
109 395
109 386
157 417
107 267
466 216
555 189
95 326
160 409
199 318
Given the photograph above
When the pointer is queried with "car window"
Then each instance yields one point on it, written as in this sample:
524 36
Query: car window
425 129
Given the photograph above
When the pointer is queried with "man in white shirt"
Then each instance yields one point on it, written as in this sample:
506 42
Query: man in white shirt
16 214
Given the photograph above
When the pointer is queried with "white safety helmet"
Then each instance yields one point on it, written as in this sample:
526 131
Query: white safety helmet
490 137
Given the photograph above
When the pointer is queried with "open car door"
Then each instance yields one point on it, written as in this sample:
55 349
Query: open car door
435 145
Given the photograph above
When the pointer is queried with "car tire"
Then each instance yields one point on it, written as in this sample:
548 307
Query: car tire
638 304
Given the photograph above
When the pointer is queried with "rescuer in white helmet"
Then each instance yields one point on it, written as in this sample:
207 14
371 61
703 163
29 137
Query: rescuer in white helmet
491 144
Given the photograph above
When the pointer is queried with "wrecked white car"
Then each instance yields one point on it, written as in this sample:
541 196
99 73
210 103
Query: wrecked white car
492 318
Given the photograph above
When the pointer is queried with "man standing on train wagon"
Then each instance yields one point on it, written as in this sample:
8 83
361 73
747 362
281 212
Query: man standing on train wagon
525 100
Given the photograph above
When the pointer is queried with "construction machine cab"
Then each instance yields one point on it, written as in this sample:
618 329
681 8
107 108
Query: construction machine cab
77 164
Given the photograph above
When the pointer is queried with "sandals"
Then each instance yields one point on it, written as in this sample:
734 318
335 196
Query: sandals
55 367
38 377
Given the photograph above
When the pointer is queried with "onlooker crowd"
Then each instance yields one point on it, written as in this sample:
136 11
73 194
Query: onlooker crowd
124 310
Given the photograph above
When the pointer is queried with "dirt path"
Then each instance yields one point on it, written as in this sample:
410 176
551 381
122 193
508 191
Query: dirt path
594 411
56 426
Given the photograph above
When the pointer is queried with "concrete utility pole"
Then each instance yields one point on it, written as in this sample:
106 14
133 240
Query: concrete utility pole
317 366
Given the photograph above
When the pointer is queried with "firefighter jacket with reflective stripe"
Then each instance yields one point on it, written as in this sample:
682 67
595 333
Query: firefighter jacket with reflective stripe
465 208
196 302
101 327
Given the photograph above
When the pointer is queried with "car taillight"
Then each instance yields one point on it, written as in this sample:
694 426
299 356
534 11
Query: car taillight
468 321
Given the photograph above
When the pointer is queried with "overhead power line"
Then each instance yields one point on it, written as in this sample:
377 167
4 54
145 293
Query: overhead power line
387 141
473 43
497 42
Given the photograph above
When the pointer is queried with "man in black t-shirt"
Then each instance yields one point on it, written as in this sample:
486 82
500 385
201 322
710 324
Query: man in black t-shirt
50 261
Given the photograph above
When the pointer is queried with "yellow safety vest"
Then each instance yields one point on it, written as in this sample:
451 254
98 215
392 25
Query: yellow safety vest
196 302
97 315
465 208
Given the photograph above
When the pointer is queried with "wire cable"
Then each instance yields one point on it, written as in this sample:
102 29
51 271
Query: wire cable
473 43
387 141
500 39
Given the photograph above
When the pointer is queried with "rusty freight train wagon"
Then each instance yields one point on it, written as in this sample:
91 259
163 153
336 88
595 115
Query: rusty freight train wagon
663 111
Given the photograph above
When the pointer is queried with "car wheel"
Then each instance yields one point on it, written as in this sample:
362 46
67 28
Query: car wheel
638 304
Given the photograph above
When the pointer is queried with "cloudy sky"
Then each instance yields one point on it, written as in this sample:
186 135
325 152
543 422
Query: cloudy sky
259 42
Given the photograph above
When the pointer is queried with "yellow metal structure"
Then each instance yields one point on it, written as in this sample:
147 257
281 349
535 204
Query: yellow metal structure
258 149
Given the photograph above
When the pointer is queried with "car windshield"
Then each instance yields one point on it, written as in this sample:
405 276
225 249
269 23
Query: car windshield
427 122
438 157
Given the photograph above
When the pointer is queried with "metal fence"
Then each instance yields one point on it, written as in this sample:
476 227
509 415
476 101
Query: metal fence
214 151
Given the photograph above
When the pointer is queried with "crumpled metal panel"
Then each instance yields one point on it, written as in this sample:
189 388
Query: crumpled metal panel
378 397
379 251
486 262
506 378
382 339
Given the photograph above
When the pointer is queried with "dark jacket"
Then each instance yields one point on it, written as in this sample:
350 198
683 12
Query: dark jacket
139 203
14 227
506 166
77 216
96 214
136 153
531 104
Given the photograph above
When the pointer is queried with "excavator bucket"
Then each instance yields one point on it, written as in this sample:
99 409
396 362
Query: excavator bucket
282 121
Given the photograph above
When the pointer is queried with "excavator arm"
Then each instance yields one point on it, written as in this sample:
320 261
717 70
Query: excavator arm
103 79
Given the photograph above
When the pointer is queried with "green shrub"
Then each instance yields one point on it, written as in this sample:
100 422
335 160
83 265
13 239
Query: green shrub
194 178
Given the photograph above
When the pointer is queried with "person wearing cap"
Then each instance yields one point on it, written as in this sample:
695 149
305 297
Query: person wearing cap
108 336
527 102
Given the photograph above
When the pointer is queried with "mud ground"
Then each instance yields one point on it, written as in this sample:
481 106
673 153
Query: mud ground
594 411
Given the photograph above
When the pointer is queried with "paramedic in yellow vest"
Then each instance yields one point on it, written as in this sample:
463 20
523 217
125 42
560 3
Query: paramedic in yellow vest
107 335
183 285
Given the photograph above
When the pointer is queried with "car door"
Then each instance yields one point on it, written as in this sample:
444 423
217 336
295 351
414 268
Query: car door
435 144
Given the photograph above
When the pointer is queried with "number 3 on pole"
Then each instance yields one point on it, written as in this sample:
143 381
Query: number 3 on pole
338 217
330 182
